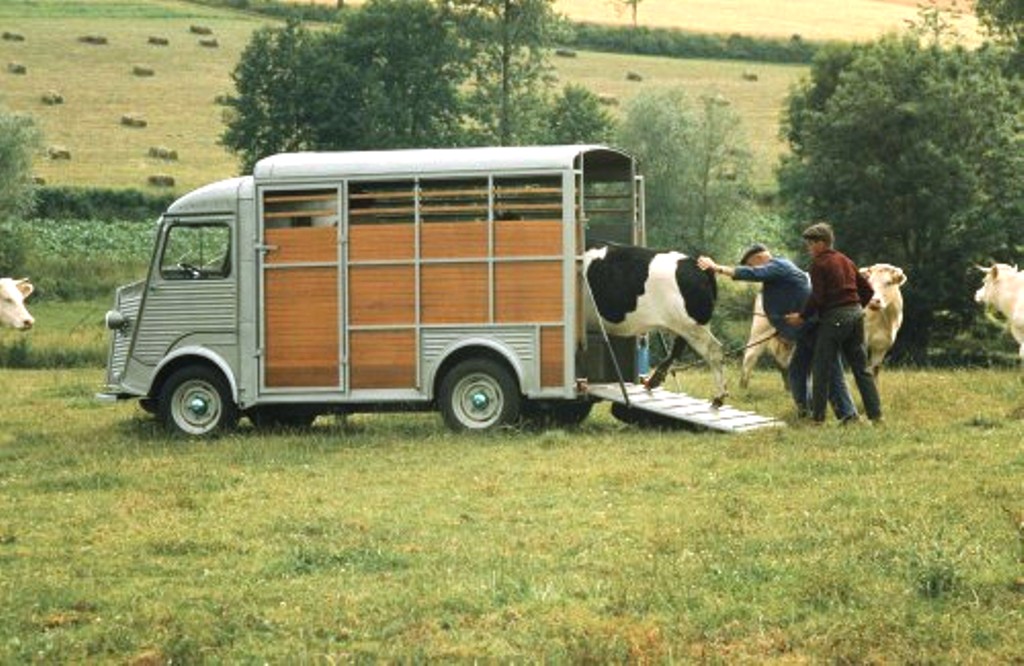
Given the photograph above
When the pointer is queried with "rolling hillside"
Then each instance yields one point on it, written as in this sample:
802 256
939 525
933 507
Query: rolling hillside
109 89
852 20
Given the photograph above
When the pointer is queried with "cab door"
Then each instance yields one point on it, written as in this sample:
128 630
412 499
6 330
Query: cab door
191 295
302 309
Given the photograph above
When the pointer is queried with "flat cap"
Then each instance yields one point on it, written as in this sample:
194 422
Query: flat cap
822 231
756 248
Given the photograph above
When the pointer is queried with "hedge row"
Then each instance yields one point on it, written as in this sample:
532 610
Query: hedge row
681 44
89 203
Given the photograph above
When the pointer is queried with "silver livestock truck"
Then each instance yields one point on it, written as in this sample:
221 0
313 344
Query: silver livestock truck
408 279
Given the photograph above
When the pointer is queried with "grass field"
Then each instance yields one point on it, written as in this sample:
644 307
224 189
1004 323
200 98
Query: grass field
99 88
386 537
847 20
178 100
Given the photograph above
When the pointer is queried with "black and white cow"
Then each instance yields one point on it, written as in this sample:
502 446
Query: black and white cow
637 289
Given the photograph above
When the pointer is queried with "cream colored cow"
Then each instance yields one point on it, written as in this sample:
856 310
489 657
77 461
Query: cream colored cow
12 303
762 338
884 314
1003 289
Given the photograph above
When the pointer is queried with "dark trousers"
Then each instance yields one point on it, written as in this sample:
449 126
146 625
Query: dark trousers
842 331
800 373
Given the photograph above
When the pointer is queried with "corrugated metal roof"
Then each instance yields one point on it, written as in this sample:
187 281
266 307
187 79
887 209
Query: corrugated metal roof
385 163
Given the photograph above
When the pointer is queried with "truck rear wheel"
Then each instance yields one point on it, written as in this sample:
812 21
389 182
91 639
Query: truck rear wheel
479 394
195 401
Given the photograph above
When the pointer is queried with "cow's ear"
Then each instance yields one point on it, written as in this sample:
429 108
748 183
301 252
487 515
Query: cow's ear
25 287
866 272
901 277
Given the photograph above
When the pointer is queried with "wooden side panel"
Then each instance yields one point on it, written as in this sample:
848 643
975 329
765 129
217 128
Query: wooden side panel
451 240
302 327
552 356
382 295
302 244
376 242
518 238
382 359
454 293
528 292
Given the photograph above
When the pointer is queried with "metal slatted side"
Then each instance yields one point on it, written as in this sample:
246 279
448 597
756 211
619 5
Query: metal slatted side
681 407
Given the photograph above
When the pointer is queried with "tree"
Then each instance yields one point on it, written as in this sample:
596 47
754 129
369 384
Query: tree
357 87
1004 18
19 138
634 6
696 168
576 116
410 96
910 150
510 75
270 111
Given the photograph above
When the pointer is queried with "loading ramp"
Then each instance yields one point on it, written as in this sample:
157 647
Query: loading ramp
634 403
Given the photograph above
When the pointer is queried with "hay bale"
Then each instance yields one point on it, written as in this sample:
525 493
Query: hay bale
141 70
161 180
16 68
565 53
133 120
209 42
95 40
608 100
749 76
159 41
13 36
52 98
163 153
634 76
58 153
199 30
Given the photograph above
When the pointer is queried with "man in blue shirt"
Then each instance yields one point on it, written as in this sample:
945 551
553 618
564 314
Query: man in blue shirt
786 289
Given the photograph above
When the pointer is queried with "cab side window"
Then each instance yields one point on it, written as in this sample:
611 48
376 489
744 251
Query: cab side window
196 252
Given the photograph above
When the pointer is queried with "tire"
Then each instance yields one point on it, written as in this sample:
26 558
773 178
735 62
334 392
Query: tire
479 395
556 413
195 401
281 416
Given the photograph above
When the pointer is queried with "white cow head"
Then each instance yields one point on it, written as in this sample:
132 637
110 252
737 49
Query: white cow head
12 303
996 276
885 280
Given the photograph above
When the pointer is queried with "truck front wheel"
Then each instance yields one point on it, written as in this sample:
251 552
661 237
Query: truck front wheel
479 394
195 401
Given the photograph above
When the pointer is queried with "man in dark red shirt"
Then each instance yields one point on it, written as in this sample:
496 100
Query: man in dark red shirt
838 295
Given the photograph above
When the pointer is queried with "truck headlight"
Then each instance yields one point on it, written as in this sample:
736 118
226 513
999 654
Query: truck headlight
115 321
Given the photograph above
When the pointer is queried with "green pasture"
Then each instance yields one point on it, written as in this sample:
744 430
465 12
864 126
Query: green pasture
178 102
385 537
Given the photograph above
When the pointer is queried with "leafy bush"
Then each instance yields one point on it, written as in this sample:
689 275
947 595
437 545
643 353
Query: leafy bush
12 250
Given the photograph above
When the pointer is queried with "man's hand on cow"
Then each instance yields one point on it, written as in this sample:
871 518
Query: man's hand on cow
705 263
794 319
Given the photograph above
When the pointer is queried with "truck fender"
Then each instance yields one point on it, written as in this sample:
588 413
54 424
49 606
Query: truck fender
499 349
205 354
